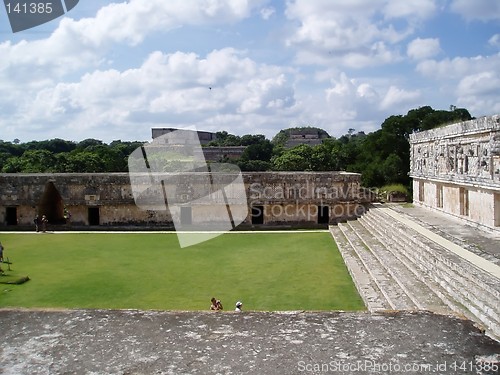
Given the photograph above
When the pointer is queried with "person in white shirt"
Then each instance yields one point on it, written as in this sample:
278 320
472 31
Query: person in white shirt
238 306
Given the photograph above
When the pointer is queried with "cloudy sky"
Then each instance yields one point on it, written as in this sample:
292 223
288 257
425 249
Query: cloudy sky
113 70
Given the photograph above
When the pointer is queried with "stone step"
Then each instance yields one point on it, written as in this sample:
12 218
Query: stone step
461 269
424 269
426 258
471 247
473 292
420 293
370 250
366 286
393 293
420 271
469 281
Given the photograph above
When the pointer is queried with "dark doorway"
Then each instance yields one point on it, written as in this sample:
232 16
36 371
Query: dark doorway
94 216
51 205
464 201
257 215
323 214
186 216
11 215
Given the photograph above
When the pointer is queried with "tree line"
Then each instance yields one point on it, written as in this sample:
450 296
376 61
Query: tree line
382 157
61 156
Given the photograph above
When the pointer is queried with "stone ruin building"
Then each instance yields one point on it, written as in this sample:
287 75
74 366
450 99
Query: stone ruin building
210 153
305 136
273 198
417 288
422 258
203 136
456 170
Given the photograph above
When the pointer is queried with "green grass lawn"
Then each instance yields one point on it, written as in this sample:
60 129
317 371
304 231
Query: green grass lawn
267 271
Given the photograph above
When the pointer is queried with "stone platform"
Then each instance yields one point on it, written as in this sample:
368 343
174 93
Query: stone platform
151 342
398 264
483 242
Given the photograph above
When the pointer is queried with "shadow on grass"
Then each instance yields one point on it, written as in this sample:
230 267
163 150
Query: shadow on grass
13 279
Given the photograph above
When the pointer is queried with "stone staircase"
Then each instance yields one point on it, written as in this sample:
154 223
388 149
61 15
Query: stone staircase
396 268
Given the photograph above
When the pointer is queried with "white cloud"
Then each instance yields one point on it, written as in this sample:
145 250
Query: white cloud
396 97
267 12
352 33
416 9
471 82
353 99
481 83
494 41
85 43
458 67
169 90
479 92
66 84
131 21
483 10
359 103
420 49
27 68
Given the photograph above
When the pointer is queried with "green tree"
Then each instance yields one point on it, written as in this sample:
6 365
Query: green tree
258 151
55 145
254 165
84 162
38 161
11 149
89 142
295 159
384 155
13 165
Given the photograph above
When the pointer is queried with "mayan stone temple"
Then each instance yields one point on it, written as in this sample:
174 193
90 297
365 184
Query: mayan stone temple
441 254
106 200
428 273
456 170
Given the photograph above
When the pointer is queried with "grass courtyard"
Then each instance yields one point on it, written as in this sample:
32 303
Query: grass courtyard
267 271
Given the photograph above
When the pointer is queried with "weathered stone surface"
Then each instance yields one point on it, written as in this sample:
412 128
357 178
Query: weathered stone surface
456 169
466 151
148 342
287 198
396 266
479 242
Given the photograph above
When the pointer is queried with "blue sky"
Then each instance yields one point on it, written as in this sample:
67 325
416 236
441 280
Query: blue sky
113 70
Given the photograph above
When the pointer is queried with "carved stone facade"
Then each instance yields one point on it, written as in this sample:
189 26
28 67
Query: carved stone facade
456 169
285 198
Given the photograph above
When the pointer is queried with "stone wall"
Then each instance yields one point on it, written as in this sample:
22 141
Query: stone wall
456 169
203 136
287 198
467 152
220 153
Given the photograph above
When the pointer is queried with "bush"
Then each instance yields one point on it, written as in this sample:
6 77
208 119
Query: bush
394 192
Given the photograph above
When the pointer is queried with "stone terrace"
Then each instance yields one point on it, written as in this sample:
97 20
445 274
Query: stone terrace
153 342
398 264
